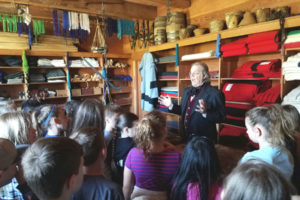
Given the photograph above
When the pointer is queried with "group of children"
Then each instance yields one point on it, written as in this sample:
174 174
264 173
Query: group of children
86 150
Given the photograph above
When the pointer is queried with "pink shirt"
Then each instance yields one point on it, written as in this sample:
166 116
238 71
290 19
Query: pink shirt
193 192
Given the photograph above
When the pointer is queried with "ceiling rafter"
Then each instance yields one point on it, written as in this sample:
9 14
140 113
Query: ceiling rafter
173 3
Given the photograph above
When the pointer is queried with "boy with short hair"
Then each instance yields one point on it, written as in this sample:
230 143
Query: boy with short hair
111 115
95 186
53 167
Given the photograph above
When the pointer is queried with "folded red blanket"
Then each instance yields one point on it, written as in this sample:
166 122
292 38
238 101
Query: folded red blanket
264 49
232 131
260 43
236 52
268 97
241 92
234 45
270 35
259 69
292 45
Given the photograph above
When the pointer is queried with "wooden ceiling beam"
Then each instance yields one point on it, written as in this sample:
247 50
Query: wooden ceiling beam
125 10
173 3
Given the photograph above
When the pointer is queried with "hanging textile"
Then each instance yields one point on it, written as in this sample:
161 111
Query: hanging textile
20 26
38 28
125 27
56 25
111 26
65 22
29 35
73 24
84 25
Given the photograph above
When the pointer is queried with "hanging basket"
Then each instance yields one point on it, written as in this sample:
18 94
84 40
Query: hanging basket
99 45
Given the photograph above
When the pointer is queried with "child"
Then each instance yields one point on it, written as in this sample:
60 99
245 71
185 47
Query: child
112 112
125 130
95 186
53 167
198 172
89 114
71 108
7 106
17 127
8 155
53 121
256 179
264 126
150 166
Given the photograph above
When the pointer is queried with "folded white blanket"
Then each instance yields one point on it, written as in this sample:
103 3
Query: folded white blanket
199 55
173 89
292 76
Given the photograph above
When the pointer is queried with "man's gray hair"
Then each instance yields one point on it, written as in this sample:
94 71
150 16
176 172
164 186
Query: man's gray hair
205 71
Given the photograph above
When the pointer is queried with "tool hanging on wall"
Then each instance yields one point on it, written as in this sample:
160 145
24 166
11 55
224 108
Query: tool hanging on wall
150 33
142 36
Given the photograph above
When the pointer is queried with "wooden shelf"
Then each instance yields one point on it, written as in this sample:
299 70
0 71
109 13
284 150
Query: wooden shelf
188 79
242 103
41 67
125 90
87 95
195 59
249 79
8 67
84 67
8 84
50 98
293 21
166 62
168 79
84 81
46 83
293 49
233 125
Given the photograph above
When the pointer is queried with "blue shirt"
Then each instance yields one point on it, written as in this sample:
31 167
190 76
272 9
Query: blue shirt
278 157
10 191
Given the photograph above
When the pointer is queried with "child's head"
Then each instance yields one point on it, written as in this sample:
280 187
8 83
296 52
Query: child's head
8 155
53 167
89 114
7 106
92 142
150 129
30 105
126 124
112 112
291 118
52 118
71 108
200 164
264 124
256 179
17 127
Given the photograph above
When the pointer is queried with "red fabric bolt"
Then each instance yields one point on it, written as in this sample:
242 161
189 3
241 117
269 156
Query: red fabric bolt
169 94
261 43
236 52
239 106
232 131
292 45
270 35
240 92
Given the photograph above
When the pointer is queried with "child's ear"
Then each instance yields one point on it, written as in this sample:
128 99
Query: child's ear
126 129
103 152
258 131
56 120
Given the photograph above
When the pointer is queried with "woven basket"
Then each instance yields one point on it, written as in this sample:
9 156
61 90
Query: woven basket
216 26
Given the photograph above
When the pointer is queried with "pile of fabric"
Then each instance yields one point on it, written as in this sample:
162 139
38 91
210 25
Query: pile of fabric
228 130
235 48
44 62
291 68
263 42
206 54
241 92
293 98
235 113
268 97
36 77
255 43
293 39
259 69
169 91
168 75
55 75
82 63
15 78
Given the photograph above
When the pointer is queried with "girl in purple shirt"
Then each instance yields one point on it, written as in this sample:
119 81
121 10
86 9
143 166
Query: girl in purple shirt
150 166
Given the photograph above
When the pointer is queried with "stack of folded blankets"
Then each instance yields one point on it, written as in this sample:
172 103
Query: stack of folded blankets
44 62
34 77
263 42
238 47
293 39
168 75
291 68
206 54
268 97
82 63
293 98
14 78
169 91
165 108
235 113
234 131
259 69
255 43
55 75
